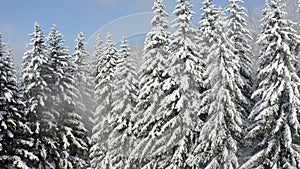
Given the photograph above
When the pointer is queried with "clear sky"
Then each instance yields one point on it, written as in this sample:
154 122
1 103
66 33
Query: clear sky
71 16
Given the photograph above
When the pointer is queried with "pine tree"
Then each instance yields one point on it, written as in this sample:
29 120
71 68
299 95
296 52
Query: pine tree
104 97
177 117
207 25
275 115
153 69
56 53
265 26
119 142
152 76
240 36
98 52
218 140
84 82
15 136
71 134
74 141
35 71
98 56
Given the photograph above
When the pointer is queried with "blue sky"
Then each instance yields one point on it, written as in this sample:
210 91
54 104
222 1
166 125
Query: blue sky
71 16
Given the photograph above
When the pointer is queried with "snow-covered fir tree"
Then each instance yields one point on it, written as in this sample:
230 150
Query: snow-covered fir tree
84 82
97 56
119 142
207 25
56 53
275 115
217 145
71 134
98 52
35 70
74 142
241 37
97 64
266 16
177 119
15 136
152 76
265 27
179 122
104 99
153 69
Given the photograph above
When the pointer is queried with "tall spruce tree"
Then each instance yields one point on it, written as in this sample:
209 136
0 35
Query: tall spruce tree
217 145
15 135
240 36
104 97
177 121
56 53
275 115
152 76
78 120
153 70
98 56
71 135
35 71
179 109
98 52
74 142
119 142
207 25
84 82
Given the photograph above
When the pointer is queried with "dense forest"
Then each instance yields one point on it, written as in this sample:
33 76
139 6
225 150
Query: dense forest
223 95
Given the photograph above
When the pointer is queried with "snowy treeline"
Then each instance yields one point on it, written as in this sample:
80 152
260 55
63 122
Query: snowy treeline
201 100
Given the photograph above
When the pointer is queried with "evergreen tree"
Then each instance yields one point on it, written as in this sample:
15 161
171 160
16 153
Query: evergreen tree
152 76
71 134
15 136
177 118
98 56
56 54
74 141
84 82
125 93
207 25
240 36
98 52
153 69
104 97
218 140
35 71
275 115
